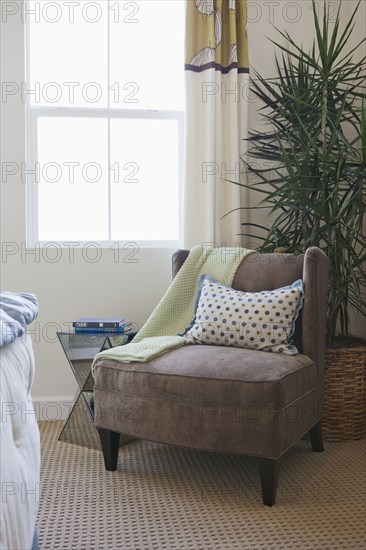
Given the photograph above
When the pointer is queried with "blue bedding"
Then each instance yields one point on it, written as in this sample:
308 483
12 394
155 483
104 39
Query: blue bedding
17 310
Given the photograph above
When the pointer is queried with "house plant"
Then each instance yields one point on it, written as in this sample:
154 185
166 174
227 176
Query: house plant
309 165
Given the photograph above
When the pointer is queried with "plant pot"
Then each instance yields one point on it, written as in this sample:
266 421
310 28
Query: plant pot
344 415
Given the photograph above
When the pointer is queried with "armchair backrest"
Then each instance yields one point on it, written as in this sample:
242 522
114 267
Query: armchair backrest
269 271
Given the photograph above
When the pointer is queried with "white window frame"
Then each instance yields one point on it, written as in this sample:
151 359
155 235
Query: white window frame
33 113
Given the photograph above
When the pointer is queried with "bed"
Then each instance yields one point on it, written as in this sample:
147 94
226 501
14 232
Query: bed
19 434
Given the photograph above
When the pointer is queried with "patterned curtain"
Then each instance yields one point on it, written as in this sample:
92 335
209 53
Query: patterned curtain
216 119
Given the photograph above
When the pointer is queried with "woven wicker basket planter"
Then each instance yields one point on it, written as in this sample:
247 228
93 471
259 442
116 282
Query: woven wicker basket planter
345 394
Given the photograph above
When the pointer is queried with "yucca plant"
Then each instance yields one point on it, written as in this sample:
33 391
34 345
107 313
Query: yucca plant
314 139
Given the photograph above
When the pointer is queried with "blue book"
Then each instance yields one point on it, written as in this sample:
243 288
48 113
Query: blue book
99 322
115 330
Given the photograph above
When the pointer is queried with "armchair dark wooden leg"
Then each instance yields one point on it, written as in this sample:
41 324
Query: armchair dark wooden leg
269 471
110 444
316 437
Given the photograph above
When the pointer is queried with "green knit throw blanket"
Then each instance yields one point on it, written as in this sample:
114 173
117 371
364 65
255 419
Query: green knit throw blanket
175 311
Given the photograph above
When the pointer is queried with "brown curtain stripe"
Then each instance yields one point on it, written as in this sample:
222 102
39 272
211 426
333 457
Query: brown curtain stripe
216 36
217 67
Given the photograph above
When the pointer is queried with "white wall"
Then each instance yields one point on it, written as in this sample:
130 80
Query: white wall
68 290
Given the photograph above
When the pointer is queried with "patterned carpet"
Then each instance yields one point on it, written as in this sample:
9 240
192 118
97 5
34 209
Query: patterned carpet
162 497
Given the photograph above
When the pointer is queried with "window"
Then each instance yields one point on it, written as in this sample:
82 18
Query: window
105 102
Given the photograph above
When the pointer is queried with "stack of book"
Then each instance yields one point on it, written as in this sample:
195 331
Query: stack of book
95 325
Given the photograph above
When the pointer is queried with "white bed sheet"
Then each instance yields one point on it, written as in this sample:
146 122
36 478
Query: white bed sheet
19 447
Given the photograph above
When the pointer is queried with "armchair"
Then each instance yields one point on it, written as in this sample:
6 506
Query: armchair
227 399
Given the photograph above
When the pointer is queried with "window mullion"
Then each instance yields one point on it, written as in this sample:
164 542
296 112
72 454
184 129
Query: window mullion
109 180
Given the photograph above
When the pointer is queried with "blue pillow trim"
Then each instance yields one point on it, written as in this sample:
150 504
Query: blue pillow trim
200 282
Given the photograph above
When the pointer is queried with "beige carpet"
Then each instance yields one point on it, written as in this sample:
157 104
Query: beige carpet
167 498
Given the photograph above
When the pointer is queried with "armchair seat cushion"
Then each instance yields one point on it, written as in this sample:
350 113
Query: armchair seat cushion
210 397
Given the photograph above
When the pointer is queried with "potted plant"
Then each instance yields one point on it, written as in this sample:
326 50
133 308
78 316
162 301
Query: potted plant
309 164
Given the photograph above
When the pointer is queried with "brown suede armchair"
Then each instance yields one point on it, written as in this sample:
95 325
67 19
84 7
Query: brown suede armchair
227 399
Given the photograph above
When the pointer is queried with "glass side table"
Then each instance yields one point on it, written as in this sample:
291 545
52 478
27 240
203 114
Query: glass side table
80 350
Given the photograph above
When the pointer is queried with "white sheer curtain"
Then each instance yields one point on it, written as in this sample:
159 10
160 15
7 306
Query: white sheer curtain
216 119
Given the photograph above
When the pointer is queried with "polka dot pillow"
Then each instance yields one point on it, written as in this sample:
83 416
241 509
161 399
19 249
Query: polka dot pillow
256 320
